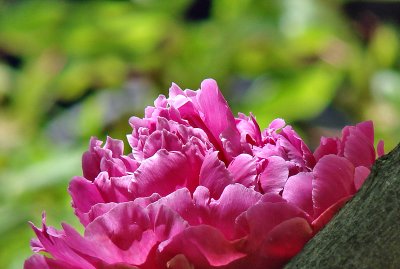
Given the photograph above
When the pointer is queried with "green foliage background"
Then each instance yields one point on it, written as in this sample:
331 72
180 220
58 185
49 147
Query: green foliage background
73 69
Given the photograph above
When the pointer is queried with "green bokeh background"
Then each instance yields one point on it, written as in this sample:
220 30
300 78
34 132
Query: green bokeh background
73 69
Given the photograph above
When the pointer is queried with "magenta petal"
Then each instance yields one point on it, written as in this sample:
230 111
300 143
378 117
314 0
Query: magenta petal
234 200
122 235
116 146
166 222
381 148
274 177
214 175
161 140
162 173
327 146
358 144
287 238
360 175
84 195
243 169
203 245
328 214
217 115
54 242
298 191
277 124
367 129
260 219
41 262
181 202
175 90
333 179
90 161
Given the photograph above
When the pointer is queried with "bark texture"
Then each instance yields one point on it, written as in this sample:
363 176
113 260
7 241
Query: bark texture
366 231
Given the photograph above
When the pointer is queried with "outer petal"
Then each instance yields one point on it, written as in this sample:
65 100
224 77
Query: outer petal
358 144
162 173
274 177
217 115
328 214
333 180
84 195
381 148
287 239
214 175
122 235
54 242
360 175
298 191
327 146
41 262
262 218
235 200
161 140
203 245
243 169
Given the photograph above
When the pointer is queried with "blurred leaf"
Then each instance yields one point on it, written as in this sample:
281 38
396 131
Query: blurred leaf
300 97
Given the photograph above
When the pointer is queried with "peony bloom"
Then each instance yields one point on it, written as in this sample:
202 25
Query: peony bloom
200 188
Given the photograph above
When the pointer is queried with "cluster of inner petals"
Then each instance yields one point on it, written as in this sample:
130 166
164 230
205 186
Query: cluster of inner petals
201 188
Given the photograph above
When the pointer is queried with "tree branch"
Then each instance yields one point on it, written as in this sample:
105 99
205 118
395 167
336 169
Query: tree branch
366 232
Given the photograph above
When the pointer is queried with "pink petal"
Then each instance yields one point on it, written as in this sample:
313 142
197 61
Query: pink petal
243 169
181 202
277 124
122 235
287 238
262 218
296 148
367 128
328 214
333 180
114 189
298 191
203 245
249 129
175 90
327 146
166 222
234 200
162 173
161 140
84 195
381 148
360 175
358 144
274 177
54 242
41 262
116 146
214 175
90 160
217 115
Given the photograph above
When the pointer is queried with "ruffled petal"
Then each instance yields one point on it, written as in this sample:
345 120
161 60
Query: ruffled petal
214 175
243 170
162 173
298 191
333 180
203 245
274 177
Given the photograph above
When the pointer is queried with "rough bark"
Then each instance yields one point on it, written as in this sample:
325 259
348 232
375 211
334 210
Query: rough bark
366 231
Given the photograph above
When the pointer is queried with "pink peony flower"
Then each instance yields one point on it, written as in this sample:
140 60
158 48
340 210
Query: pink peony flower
203 189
